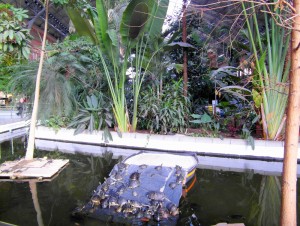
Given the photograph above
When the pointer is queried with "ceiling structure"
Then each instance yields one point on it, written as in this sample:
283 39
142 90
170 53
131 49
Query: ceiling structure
212 10
58 26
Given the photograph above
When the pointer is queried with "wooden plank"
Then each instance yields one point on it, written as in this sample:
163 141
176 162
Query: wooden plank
36 168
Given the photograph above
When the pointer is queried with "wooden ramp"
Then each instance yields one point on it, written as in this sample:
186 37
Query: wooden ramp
39 168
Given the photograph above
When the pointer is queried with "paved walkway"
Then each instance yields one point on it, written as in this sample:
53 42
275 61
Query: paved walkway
8 121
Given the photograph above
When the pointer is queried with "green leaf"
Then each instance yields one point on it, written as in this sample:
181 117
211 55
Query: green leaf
11 34
157 17
5 34
257 98
94 101
82 25
181 44
80 128
101 26
5 46
196 116
113 36
89 102
134 20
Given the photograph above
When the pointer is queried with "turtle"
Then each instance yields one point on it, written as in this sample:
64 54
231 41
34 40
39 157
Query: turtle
121 189
130 209
135 176
134 184
122 166
163 212
156 195
177 167
101 194
118 176
113 173
121 201
108 181
143 166
104 203
139 214
158 168
179 179
136 204
172 185
178 172
155 203
96 200
112 201
105 187
173 209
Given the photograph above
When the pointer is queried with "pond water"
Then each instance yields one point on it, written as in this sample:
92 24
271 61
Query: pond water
217 196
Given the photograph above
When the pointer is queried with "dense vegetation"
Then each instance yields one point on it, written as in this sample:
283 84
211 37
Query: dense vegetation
116 74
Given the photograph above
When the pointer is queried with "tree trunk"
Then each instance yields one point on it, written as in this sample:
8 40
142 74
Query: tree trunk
30 146
289 178
184 37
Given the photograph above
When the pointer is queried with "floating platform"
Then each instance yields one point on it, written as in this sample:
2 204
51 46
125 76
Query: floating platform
144 187
38 168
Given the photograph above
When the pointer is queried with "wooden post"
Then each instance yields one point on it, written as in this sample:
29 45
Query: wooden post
184 38
289 178
30 146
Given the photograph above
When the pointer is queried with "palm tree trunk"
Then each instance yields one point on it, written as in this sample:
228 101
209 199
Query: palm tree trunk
289 179
184 37
30 146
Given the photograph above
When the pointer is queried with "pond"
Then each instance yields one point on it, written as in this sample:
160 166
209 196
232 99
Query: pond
217 196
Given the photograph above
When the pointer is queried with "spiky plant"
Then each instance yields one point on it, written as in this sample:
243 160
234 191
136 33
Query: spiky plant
57 84
272 66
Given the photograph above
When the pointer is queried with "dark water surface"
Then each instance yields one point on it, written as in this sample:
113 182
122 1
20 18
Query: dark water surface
217 196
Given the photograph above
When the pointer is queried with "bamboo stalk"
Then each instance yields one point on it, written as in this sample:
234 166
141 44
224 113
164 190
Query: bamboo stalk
31 139
289 178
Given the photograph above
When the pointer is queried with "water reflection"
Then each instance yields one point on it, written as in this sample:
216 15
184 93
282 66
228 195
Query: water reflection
265 209
217 196
33 190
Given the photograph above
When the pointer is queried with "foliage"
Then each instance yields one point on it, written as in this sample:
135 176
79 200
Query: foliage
272 66
208 123
13 37
107 39
63 79
93 115
266 210
165 112
203 35
56 122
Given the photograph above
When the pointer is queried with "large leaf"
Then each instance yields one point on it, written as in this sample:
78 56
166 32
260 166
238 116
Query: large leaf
101 25
82 25
134 19
158 14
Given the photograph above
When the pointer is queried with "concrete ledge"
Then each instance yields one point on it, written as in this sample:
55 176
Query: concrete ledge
13 126
236 148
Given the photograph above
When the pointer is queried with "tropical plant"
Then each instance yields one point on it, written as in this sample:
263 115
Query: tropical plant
93 115
210 126
165 112
62 70
56 122
14 41
272 64
140 16
13 37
